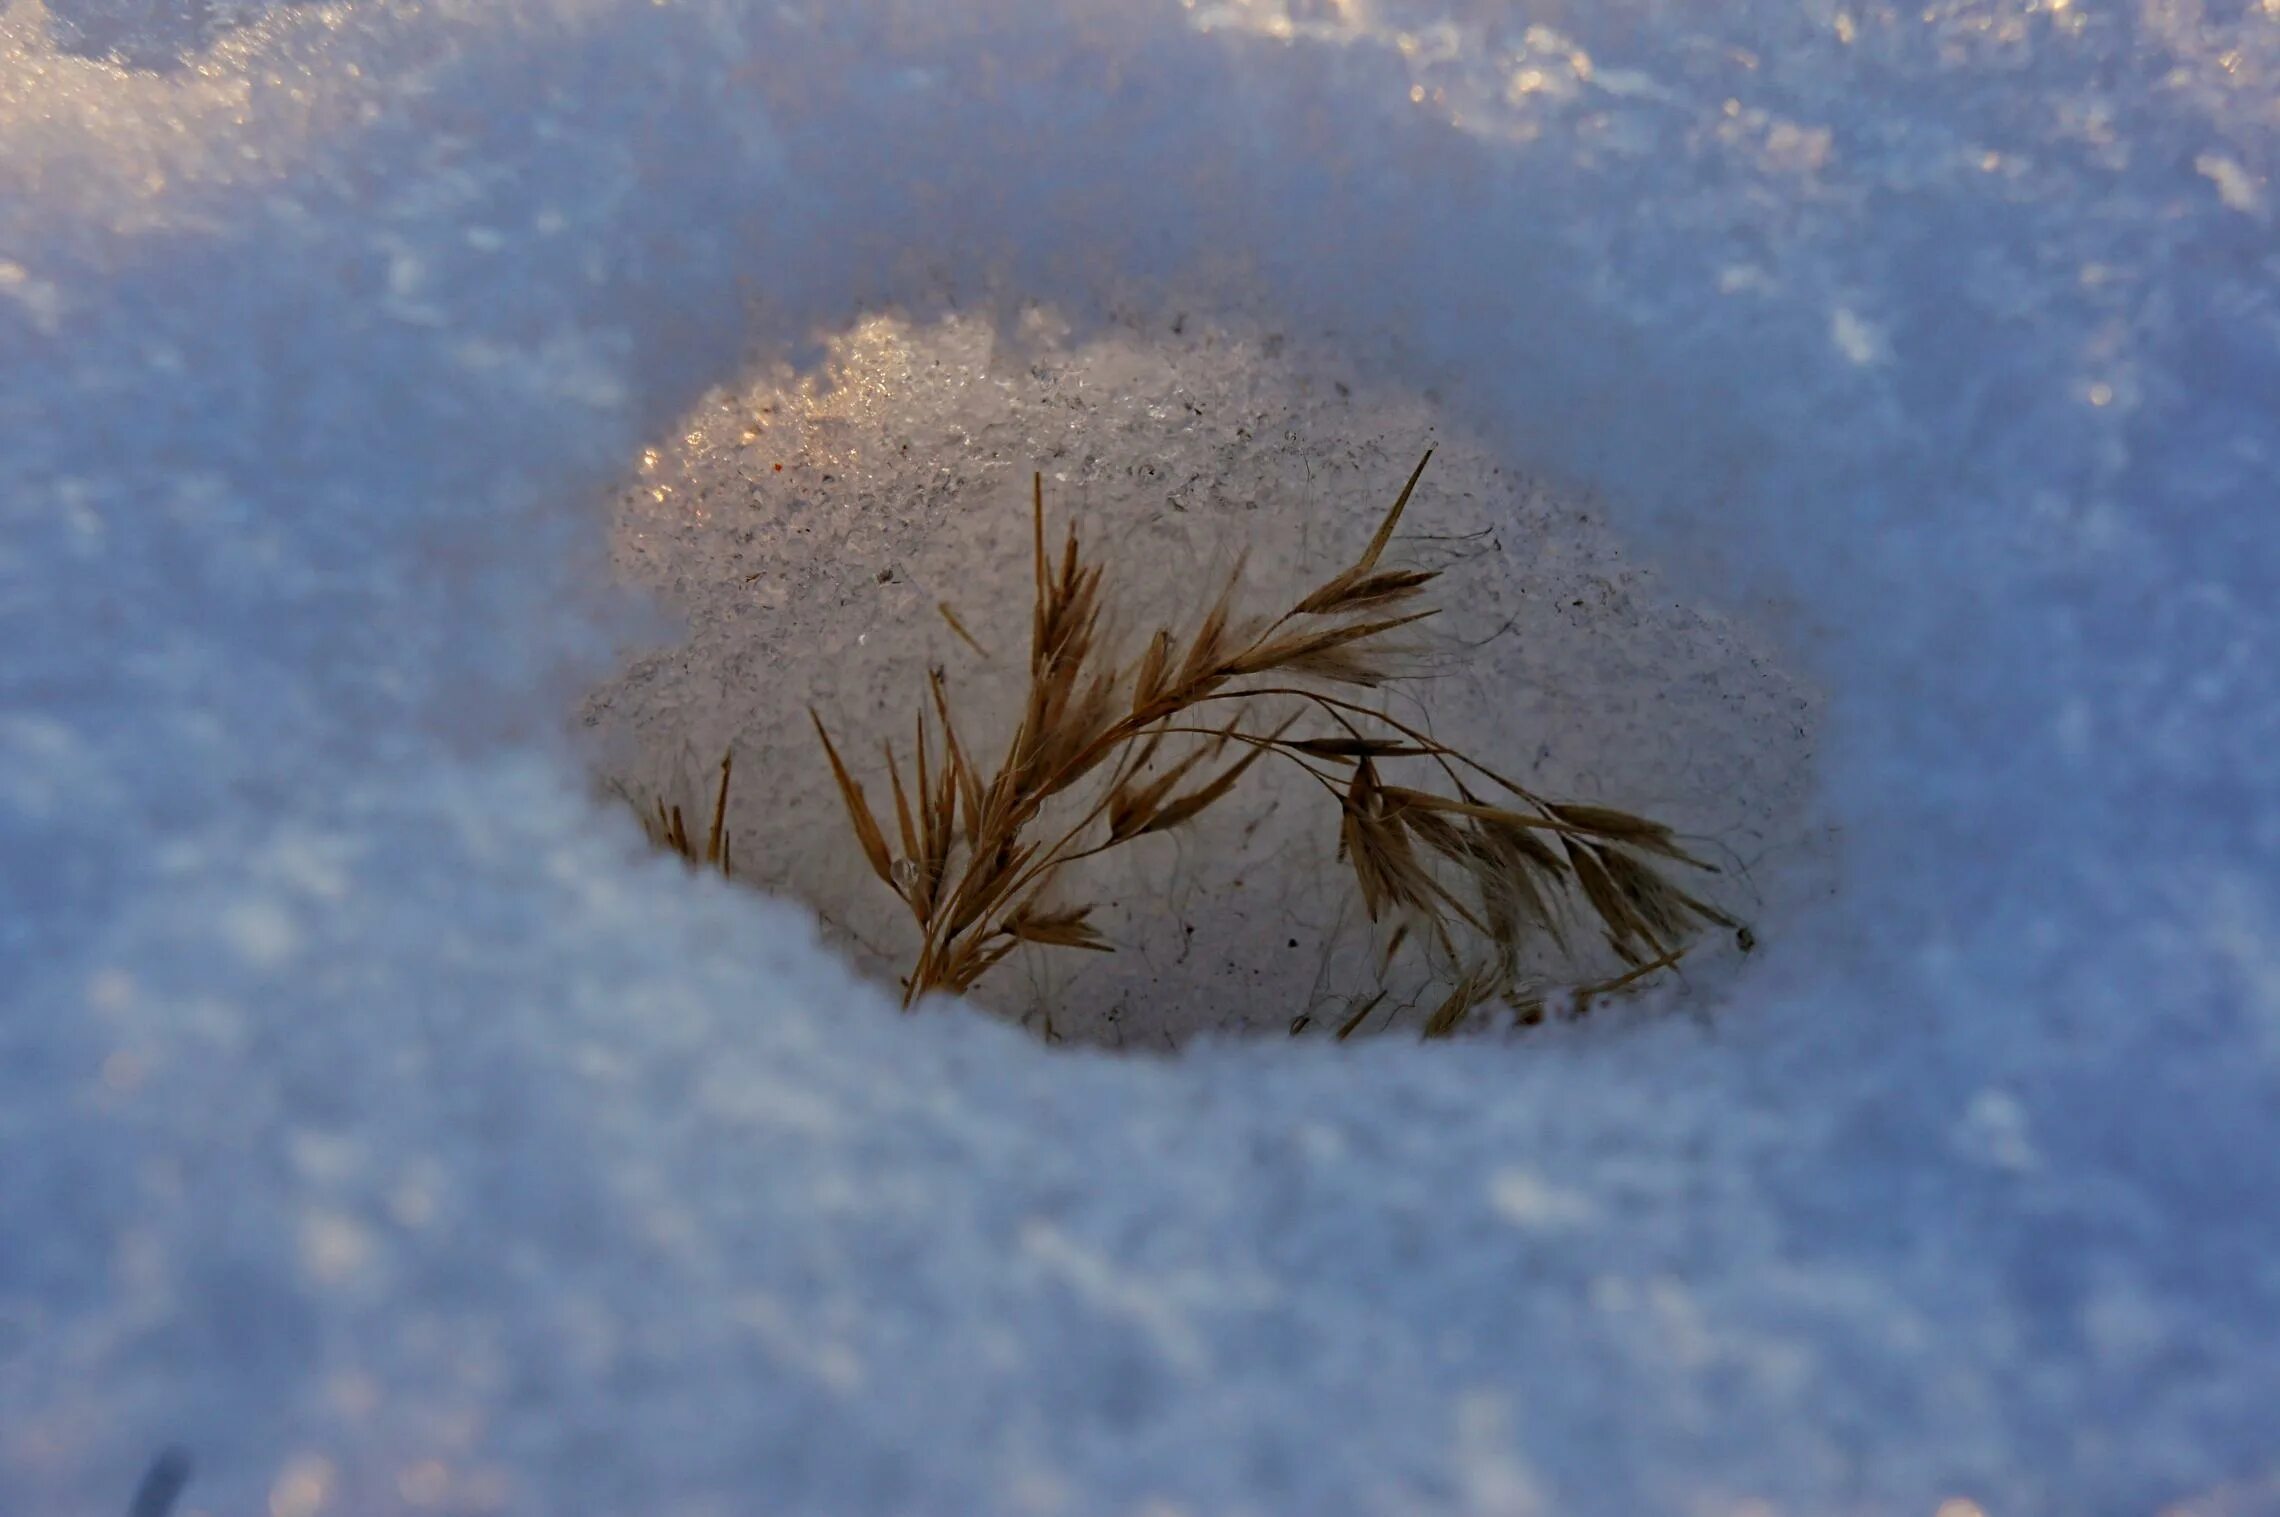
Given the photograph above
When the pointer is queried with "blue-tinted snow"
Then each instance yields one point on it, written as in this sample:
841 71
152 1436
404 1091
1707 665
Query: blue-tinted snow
380 1122
148 34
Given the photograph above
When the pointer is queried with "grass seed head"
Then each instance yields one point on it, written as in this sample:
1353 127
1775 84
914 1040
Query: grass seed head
1480 882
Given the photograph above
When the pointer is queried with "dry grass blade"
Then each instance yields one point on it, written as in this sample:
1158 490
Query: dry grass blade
1444 837
1301 651
1477 882
874 843
1426 800
1377 547
986 886
716 842
1358 748
1213 644
1342 666
909 874
1076 745
904 827
1131 811
1385 865
1584 995
1064 928
1148 679
1471 989
1361 1014
959 771
1628 933
959 977
1044 593
1502 876
1187 807
933 857
1367 592
1520 878
1669 911
950 615
668 827
1622 826
1522 840
1340 592
1746 940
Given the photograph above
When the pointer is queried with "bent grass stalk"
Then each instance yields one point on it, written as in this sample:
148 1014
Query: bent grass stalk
1468 867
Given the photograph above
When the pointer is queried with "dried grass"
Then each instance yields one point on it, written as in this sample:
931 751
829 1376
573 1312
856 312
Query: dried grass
1468 870
669 829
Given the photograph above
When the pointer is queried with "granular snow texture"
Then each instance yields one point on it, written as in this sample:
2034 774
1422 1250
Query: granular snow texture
384 1124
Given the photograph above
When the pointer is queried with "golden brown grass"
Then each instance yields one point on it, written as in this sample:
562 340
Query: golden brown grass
1465 868
668 829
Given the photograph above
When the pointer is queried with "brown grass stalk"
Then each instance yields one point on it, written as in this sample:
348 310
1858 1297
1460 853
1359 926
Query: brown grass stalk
668 828
1468 883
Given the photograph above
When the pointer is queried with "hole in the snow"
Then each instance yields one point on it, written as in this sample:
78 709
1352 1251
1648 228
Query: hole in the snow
812 533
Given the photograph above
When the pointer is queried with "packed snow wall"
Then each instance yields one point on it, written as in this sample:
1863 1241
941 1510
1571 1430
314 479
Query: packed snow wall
382 1124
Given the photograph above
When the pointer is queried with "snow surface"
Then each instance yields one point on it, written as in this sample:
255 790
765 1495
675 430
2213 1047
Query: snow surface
381 1122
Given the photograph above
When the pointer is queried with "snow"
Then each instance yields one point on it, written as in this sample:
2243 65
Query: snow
383 1124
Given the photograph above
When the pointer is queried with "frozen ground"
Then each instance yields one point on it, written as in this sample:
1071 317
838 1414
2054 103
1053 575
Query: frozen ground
382 1123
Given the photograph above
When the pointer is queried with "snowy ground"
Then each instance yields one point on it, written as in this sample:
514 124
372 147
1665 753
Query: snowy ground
384 1124
808 533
